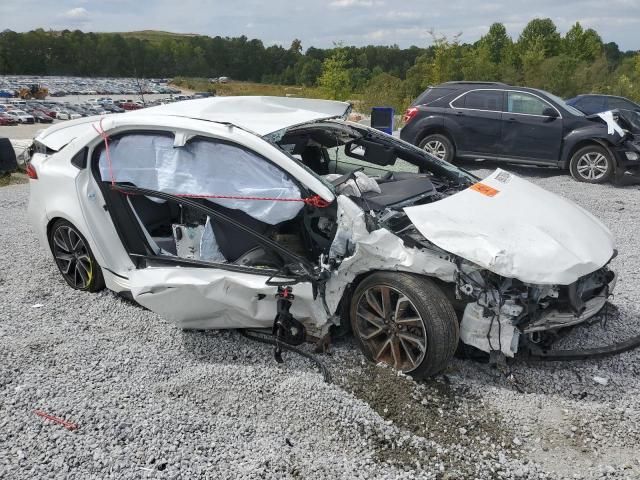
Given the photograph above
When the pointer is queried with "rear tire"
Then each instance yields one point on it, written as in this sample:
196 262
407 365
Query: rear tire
405 321
74 257
591 164
439 146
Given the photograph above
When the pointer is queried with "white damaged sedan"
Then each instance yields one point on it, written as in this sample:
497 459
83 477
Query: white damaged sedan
205 210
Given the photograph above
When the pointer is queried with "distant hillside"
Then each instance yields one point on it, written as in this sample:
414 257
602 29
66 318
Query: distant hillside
156 35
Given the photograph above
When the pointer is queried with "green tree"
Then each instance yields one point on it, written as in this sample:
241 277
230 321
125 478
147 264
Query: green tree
335 78
540 32
384 90
496 41
532 60
477 64
582 44
296 47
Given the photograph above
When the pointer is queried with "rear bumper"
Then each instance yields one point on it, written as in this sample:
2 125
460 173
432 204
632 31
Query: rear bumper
409 133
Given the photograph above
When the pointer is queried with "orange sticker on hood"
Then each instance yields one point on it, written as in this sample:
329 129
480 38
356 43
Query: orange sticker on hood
484 189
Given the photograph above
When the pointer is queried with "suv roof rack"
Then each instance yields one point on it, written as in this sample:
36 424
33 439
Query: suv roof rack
468 82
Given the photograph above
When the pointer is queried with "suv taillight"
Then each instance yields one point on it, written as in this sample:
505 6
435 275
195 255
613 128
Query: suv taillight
409 114
31 172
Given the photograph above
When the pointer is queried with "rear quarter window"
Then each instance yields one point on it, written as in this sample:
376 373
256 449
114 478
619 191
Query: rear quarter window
490 100
431 95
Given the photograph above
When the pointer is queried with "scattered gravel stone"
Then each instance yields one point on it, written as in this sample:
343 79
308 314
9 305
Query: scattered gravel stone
152 401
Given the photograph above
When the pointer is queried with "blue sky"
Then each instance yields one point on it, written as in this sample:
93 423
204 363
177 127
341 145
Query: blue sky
320 23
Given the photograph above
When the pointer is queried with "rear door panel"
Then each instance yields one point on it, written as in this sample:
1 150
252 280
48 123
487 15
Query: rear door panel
477 114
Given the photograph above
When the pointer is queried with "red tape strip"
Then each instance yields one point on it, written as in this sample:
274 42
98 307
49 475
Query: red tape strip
68 425
314 201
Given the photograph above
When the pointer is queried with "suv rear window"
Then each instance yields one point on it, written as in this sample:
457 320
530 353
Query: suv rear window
480 100
432 94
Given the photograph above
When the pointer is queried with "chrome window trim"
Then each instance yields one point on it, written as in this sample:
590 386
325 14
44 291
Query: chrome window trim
502 110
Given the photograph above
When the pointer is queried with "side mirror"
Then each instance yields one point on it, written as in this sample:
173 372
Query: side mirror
550 112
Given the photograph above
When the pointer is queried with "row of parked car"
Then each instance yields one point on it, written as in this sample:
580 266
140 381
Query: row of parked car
15 112
62 86
505 123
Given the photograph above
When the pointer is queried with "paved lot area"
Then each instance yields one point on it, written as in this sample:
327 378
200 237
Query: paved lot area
152 401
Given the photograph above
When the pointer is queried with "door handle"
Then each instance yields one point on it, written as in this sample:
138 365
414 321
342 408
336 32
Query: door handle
511 119
459 112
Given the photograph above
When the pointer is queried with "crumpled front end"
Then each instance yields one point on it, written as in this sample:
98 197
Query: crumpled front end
499 311
513 278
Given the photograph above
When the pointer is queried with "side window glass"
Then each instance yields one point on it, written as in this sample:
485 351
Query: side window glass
520 102
484 100
490 100
458 102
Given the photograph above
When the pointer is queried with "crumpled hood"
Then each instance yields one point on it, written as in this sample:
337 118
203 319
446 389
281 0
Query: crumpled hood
517 230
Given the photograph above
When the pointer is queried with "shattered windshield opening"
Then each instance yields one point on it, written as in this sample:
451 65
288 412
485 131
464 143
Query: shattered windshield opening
373 168
340 141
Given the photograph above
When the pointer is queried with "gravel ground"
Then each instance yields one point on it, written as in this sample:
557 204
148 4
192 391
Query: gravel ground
152 401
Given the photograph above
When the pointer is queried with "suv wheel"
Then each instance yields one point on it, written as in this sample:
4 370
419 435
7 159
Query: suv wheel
439 146
591 164
405 321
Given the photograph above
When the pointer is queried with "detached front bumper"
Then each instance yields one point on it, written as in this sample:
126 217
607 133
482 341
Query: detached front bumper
554 319
628 160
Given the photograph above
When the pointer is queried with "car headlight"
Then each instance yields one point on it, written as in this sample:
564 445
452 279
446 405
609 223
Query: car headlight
632 156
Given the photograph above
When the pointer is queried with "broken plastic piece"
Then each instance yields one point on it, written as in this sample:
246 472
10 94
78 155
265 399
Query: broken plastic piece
68 425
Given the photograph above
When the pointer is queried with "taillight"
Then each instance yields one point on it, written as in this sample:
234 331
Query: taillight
409 114
31 172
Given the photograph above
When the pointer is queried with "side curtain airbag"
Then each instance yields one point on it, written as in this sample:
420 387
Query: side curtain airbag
203 167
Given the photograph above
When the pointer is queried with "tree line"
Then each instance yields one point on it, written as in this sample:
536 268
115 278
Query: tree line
577 62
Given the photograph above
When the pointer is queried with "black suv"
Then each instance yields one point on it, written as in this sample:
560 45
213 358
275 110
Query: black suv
478 120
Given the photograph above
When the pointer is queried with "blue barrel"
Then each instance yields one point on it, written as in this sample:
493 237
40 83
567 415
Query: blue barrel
382 119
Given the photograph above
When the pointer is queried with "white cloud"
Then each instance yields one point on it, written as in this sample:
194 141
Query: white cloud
321 23
76 14
351 3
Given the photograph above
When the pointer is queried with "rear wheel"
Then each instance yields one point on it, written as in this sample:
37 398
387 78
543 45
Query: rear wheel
439 146
74 258
405 321
591 164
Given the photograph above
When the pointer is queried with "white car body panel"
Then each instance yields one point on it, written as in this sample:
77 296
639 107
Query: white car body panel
377 250
85 133
522 232
202 298
261 115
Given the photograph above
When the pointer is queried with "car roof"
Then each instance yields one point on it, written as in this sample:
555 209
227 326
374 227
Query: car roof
261 115
601 95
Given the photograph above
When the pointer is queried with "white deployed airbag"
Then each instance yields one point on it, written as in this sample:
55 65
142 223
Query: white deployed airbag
204 168
517 230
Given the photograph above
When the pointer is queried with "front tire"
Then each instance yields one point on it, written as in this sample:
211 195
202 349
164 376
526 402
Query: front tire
439 146
591 164
405 321
74 258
